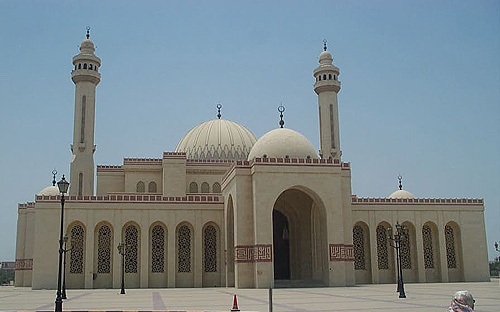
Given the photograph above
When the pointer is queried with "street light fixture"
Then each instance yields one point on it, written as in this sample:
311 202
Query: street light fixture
63 186
401 233
122 249
496 247
65 250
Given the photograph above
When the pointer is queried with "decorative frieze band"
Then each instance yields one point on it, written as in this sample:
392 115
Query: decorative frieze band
341 252
24 264
253 253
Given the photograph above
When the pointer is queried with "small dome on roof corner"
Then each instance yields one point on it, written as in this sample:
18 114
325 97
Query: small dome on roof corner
401 194
217 139
51 190
283 143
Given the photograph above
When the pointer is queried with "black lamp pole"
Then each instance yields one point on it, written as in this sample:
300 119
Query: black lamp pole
63 188
401 233
64 265
121 251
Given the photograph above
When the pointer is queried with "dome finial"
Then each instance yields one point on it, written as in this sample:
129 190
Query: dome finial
54 172
400 178
324 44
281 109
219 106
88 32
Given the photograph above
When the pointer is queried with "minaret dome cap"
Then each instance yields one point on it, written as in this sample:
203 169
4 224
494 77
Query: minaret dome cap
87 46
325 58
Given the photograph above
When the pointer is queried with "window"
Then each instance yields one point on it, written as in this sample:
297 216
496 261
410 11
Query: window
90 67
324 77
205 188
329 76
216 188
382 252
85 66
319 77
152 187
405 252
358 241
332 126
428 249
80 184
82 123
79 66
184 249
210 249
193 187
76 253
104 250
140 187
131 241
451 258
157 249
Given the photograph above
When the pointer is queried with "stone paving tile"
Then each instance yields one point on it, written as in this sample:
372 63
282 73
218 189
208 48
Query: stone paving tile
420 297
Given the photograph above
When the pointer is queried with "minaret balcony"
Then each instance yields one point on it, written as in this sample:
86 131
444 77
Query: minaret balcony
78 75
327 85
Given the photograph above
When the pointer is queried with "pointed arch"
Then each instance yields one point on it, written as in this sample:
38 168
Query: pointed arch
131 234
409 253
140 187
193 187
216 188
453 244
385 254
184 263
205 187
211 254
158 254
362 259
152 187
430 245
229 214
75 270
103 255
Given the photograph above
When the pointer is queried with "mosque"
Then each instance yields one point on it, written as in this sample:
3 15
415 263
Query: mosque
228 209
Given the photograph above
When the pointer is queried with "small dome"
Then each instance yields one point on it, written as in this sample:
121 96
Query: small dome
325 58
217 139
282 143
401 194
87 46
49 191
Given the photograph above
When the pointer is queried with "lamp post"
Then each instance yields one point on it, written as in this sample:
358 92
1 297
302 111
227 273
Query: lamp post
63 186
496 247
65 250
401 233
122 249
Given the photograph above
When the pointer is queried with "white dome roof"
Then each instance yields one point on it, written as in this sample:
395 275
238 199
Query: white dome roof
49 191
283 142
217 139
325 57
401 194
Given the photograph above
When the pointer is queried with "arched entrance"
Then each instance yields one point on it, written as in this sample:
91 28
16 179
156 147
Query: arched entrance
300 252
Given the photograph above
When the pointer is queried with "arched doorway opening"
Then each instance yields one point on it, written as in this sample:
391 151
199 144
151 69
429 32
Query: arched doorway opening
230 243
300 252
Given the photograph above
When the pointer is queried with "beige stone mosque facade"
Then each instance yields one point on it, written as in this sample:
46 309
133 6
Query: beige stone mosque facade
228 209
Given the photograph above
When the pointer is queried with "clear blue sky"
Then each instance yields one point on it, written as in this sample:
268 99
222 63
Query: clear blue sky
420 87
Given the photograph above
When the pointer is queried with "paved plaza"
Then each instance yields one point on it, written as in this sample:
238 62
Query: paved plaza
420 297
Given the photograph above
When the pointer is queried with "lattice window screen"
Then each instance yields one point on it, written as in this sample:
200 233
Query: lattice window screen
76 253
140 187
216 188
359 248
205 187
193 187
451 258
157 249
152 187
184 249
428 249
382 252
104 250
210 244
405 252
131 241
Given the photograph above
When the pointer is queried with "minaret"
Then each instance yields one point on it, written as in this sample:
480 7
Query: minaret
86 78
327 86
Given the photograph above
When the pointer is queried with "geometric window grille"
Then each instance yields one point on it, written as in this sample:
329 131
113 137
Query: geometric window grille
104 250
205 187
193 187
358 241
405 252
140 187
450 247
382 252
152 187
428 252
157 249
76 254
184 249
216 187
131 239
210 242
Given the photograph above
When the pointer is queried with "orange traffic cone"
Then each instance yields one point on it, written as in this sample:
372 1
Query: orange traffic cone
235 304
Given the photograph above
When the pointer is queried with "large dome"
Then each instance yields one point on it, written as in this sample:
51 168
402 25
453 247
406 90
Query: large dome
217 139
282 143
49 191
401 194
